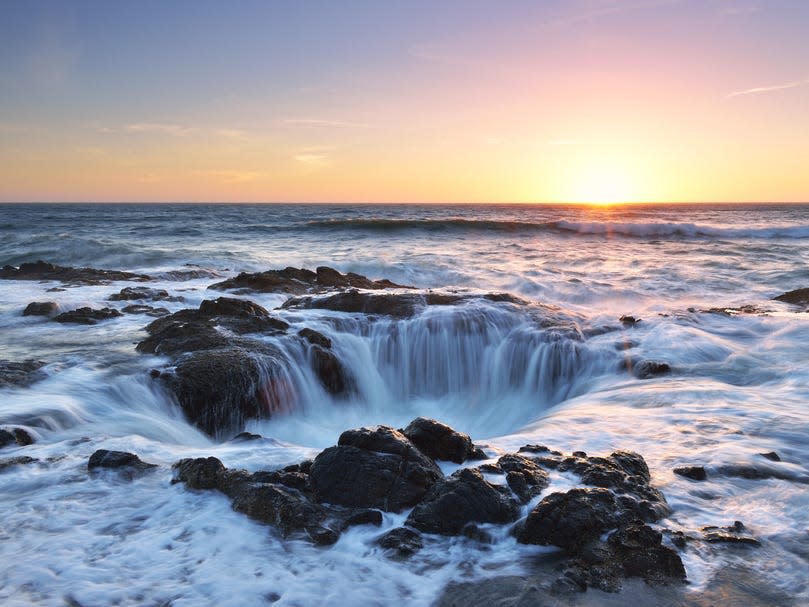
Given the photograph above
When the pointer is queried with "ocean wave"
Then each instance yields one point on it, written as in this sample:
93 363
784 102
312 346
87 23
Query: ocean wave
608 229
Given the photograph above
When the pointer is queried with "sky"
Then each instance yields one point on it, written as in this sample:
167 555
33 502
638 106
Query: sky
404 101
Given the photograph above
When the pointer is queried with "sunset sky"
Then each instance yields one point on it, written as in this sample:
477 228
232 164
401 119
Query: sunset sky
535 101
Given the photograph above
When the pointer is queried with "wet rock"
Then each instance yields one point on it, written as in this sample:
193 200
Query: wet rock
143 294
15 436
6 439
330 371
199 473
402 541
144 309
650 368
398 305
374 467
439 441
696 473
20 373
41 270
772 456
629 321
366 516
524 477
280 507
734 534
218 390
41 308
117 459
297 281
570 520
798 297
20 460
87 316
245 436
315 338
753 472
462 498
639 552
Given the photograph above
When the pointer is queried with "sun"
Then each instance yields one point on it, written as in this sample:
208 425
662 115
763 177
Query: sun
602 186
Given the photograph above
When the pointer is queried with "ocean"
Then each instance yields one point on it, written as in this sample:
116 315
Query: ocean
701 278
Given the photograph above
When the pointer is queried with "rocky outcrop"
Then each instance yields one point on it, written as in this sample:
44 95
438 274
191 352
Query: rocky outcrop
798 297
439 441
143 294
297 281
87 316
374 467
20 373
397 305
41 270
41 308
524 477
695 473
401 542
128 464
463 499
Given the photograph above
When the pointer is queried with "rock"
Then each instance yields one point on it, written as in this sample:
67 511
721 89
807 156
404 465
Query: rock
297 281
330 371
218 390
402 541
199 473
374 467
365 516
20 374
245 436
41 308
525 478
87 316
116 460
650 368
639 551
772 456
629 321
280 507
798 297
315 338
6 438
753 472
23 437
398 305
570 520
439 441
696 473
462 498
41 270
143 294
144 309
734 534
20 460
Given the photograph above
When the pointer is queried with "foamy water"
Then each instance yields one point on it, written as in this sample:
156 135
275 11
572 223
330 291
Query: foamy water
552 372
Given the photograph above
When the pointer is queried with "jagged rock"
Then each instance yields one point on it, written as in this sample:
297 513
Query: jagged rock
117 459
639 552
330 371
570 520
18 436
798 297
398 305
143 294
297 281
41 270
41 308
374 467
696 473
280 507
439 441
650 368
772 456
199 473
315 338
87 316
402 541
462 498
144 309
525 478
20 373
734 534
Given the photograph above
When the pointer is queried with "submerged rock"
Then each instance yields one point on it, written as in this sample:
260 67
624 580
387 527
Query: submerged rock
463 498
734 534
798 297
20 373
401 542
297 281
695 473
373 468
143 294
645 369
398 305
117 460
41 270
41 308
87 316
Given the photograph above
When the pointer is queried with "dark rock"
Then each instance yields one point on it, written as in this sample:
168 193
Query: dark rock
218 390
462 498
23 437
798 297
289 477
650 368
772 456
640 553
373 468
756 473
524 477
143 294
117 459
322 536
7 438
398 305
439 441
402 540
20 460
315 338
330 371
734 534
87 316
696 473
297 281
629 321
570 520
199 473
41 308
246 436
20 373
41 270
280 507
366 516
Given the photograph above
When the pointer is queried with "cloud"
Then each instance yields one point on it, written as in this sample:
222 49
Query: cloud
172 130
312 159
235 176
607 8
768 89
175 130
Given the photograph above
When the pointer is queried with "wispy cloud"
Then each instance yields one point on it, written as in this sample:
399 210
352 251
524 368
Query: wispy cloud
607 8
172 130
320 122
175 130
768 89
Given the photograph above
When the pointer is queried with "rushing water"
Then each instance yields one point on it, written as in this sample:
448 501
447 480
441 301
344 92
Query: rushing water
548 372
